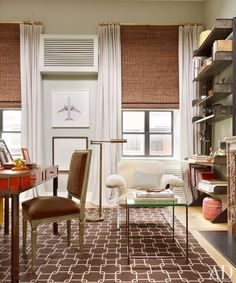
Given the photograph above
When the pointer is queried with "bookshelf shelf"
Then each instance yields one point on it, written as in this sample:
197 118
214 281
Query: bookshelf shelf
222 60
214 87
217 190
223 27
220 91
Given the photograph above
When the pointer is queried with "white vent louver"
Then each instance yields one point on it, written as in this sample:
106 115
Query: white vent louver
68 53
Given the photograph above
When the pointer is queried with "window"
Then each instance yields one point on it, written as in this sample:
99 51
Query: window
10 85
148 133
10 129
149 60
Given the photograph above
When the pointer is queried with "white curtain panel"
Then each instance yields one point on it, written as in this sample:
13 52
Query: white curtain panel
188 41
31 96
107 124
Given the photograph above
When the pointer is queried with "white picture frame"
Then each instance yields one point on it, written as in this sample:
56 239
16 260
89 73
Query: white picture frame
70 108
62 149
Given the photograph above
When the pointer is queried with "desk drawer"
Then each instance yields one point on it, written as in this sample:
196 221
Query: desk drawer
51 172
38 176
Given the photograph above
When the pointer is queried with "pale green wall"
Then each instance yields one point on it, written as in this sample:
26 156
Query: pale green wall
83 16
218 9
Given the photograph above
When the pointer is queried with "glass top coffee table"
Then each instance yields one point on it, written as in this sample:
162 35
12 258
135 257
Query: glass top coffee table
133 202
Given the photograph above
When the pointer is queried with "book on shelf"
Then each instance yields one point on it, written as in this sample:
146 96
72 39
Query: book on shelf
214 182
196 174
199 158
205 175
211 188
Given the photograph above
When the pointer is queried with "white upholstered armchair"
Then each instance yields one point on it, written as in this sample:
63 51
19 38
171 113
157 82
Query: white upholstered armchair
140 174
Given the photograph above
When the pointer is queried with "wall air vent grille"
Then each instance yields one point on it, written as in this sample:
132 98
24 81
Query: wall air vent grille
69 54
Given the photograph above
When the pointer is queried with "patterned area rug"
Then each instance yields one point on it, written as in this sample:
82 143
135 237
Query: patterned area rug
105 253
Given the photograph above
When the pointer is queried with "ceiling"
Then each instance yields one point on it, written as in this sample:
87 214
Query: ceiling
169 0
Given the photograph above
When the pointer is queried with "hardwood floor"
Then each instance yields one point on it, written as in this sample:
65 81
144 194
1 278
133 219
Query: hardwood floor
198 223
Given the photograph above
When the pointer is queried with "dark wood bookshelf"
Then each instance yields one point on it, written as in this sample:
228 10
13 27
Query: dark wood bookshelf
221 61
212 118
218 190
222 28
218 160
220 91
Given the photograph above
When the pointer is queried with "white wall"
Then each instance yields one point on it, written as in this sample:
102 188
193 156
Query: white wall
218 9
65 82
83 16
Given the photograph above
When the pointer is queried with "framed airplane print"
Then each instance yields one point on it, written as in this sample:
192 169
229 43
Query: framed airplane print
70 108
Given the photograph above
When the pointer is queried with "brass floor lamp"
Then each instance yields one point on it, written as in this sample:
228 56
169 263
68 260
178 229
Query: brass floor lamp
100 216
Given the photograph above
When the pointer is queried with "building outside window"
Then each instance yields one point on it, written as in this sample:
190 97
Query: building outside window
148 133
10 130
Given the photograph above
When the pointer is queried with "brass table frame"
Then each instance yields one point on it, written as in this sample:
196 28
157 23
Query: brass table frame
130 203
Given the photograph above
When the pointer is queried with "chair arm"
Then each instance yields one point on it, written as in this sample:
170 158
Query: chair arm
116 181
171 181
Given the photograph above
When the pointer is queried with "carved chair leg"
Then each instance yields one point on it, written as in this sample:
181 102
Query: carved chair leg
68 222
33 246
24 233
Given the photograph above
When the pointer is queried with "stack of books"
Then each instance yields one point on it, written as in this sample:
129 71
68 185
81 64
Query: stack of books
164 196
203 174
211 184
199 158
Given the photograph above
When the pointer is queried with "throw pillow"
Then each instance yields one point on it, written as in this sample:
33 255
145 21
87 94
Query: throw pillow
144 181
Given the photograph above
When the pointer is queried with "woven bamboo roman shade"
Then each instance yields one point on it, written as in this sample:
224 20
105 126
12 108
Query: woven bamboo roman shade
10 94
149 62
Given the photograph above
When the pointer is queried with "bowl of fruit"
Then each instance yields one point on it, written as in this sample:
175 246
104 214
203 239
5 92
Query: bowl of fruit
19 164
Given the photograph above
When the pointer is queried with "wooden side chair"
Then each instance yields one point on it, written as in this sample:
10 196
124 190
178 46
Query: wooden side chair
50 209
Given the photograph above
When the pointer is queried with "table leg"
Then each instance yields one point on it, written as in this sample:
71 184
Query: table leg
186 234
126 220
173 221
127 224
55 187
6 215
15 239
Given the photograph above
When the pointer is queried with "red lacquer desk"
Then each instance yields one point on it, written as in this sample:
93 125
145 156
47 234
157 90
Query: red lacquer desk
12 184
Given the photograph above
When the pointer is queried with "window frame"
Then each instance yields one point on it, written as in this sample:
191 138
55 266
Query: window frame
147 132
1 122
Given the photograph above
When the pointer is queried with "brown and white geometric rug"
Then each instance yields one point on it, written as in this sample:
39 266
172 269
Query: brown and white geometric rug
105 253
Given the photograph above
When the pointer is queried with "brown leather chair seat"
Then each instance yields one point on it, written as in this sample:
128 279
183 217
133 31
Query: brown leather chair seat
44 207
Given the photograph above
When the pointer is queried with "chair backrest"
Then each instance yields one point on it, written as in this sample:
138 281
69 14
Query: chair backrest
126 169
79 173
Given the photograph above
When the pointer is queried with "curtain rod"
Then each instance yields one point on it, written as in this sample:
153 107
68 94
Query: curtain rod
151 24
22 22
